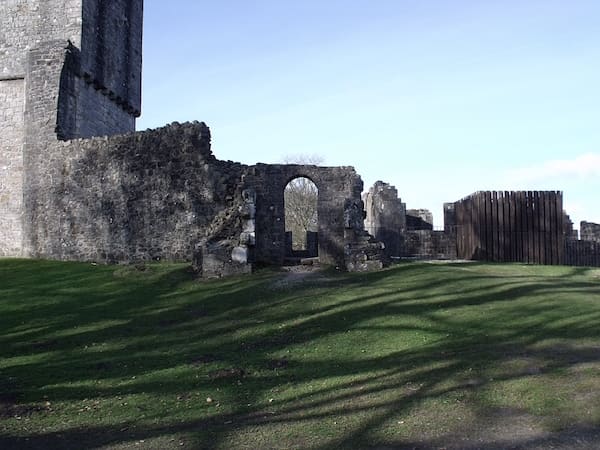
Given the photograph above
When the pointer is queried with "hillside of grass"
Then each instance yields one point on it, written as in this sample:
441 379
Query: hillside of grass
462 355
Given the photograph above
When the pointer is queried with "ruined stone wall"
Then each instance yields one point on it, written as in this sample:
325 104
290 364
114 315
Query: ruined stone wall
71 69
428 244
162 195
148 195
12 99
157 194
589 231
385 217
408 233
419 219
336 185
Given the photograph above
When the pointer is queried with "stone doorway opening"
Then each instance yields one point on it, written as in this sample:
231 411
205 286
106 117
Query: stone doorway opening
301 197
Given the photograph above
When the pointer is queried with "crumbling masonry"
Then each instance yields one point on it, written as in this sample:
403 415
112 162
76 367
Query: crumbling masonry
77 183
523 226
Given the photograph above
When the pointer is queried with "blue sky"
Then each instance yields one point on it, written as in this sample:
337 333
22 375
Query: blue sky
439 98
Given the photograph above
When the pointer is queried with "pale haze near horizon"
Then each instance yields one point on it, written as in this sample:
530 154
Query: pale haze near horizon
438 98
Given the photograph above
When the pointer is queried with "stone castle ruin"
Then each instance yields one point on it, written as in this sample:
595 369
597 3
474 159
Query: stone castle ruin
523 226
78 183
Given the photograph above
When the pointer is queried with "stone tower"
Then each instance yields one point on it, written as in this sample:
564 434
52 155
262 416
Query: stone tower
68 69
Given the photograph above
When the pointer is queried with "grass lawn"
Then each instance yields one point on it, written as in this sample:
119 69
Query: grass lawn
419 355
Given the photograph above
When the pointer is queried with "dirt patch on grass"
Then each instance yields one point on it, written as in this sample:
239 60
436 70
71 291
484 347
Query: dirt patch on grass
234 372
509 428
292 276
10 409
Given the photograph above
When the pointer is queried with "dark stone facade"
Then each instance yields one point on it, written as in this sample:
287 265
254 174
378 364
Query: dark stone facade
386 217
419 219
162 195
589 231
336 186
429 244
407 233
148 195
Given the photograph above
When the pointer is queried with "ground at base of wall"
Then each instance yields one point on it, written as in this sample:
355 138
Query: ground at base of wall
400 259
293 276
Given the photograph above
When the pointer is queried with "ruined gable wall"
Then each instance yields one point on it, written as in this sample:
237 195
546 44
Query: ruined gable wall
386 217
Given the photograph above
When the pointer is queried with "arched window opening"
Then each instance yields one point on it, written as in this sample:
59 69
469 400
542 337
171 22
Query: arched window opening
301 219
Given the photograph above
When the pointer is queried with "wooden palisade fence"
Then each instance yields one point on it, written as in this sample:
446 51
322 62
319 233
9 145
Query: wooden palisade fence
582 253
522 226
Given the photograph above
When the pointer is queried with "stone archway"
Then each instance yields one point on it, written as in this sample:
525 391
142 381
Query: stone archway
301 218
336 187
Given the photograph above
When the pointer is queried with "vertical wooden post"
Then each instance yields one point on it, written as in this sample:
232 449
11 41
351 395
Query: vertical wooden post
561 243
489 241
500 225
513 227
496 228
547 234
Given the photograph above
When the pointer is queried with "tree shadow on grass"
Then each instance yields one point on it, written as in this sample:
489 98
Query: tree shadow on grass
240 326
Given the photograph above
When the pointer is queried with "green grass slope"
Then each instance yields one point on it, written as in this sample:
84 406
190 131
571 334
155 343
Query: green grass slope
419 355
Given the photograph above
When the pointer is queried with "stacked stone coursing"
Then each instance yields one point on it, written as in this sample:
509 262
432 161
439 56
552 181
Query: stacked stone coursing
148 195
71 73
589 231
338 187
385 217
11 166
162 195
419 219
429 244
24 24
68 69
407 233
